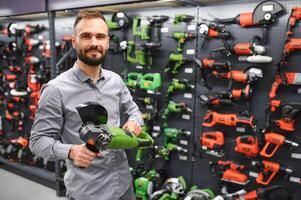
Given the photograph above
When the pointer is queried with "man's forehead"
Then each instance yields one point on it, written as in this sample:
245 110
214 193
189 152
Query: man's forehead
95 25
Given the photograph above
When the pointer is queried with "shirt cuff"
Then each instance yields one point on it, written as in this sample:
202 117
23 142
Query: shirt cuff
61 151
137 119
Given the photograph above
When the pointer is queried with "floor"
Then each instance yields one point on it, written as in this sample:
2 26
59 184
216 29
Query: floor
14 187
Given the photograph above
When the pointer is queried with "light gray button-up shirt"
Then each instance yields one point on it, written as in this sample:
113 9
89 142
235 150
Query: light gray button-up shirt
106 178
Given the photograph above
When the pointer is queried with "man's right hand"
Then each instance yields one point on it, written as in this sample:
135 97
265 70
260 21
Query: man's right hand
81 156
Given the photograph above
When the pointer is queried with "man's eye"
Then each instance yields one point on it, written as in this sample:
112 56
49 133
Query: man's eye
101 37
85 36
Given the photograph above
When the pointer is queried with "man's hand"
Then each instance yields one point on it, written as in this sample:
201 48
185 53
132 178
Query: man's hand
133 127
81 156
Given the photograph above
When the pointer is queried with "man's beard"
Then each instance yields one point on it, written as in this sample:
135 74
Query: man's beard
90 60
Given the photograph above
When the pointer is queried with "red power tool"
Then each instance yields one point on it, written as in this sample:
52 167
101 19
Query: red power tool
293 19
268 171
247 145
230 171
273 142
212 143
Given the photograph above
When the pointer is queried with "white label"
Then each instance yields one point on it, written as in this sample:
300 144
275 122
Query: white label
41 37
297 80
190 51
120 14
183 142
150 92
139 67
241 129
294 179
181 157
296 155
186 117
151 107
188 70
191 27
253 174
299 91
204 147
156 128
155 134
267 8
187 95
164 30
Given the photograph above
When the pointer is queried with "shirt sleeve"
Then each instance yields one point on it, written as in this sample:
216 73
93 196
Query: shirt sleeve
47 125
129 107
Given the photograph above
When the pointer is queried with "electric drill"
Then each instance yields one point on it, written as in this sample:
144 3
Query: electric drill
181 38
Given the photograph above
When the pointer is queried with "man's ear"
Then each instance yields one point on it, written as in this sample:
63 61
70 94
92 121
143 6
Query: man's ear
74 42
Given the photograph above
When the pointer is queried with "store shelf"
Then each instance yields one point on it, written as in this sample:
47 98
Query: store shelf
39 175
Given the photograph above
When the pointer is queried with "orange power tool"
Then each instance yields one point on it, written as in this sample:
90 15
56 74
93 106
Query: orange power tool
273 142
293 19
212 143
212 118
247 145
268 171
286 78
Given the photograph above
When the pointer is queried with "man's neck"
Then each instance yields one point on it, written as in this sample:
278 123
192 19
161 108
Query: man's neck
91 71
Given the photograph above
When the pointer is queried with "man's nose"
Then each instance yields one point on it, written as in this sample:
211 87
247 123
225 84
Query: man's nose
94 40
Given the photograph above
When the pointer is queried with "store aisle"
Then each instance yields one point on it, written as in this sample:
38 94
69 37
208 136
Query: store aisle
16 187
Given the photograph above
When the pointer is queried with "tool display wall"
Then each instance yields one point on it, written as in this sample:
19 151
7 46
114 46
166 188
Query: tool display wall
180 98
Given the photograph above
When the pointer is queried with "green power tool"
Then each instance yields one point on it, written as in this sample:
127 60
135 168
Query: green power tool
133 80
151 82
172 134
175 62
177 84
135 53
119 20
181 38
100 136
173 107
179 18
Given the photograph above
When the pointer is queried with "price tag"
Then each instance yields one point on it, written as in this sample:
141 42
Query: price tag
188 70
150 92
155 134
186 117
190 51
183 142
156 128
120 14
187 95
150 107
296 155
164 30
241 129
253 174
181 157
191 27
139 67
41 37
294 179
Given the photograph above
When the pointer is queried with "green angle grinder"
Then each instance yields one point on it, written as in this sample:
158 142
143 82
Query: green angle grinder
98 135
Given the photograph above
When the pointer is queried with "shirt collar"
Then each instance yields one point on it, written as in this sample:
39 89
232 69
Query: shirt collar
83 77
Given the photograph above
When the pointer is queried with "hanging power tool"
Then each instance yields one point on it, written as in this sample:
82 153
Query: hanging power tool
175 62
119 20
229 98
229 171
263 15
295 16
272 192
269 170
181 37
212 143
251 52
177 84
212 118
289 112
285 78
17 30
247 145
173 188
213 31
173 107
179 18
133 80
273 142
173 134
150 82
99 136
142 27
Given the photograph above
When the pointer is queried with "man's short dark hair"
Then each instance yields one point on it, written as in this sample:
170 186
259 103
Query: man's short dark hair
88 14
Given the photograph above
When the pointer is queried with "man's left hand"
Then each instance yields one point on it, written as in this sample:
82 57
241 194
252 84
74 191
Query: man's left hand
133 127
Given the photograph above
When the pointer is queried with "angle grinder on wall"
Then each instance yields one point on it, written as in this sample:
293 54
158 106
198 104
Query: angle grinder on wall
98 135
